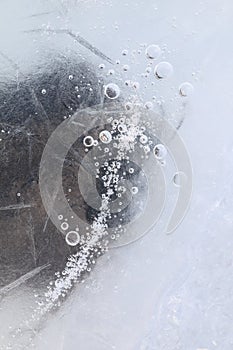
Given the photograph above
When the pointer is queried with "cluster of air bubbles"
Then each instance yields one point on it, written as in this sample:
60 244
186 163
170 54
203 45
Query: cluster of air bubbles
112 91
88 141
160 151
186 89
163 70
153 52
105 136
129 133
72 238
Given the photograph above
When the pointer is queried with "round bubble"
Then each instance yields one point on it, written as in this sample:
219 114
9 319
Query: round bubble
134 190
111 72
43 91
163 70
112 91
148 69
105 136
72 238
88 141
126 67
128 106
131 170
179 178
153 52
149 105
136 85
186 89
64 226
102 66
143 139
160 151
122 128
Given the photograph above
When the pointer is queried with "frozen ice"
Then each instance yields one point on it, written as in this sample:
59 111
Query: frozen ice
170 292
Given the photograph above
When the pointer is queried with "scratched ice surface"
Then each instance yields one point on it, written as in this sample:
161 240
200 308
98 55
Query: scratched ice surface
162 292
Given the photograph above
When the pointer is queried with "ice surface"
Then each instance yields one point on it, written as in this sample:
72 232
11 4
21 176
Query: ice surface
163 292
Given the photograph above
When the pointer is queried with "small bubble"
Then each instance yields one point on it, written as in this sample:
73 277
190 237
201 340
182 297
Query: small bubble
149 105
112 91
128 83
128 106
64 226
72 238
134 190
102 66
60 217
148 69
143 139
122 128
111 72
124 52
125 67
131 170
163 70
18 194
88 141
43 91
136 85
105 136
71 77
160 151
179 178
153 52
186 89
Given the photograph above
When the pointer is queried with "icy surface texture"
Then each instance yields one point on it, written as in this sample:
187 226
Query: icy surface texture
162 292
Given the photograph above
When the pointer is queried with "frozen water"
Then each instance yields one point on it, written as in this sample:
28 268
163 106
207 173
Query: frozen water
169 292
